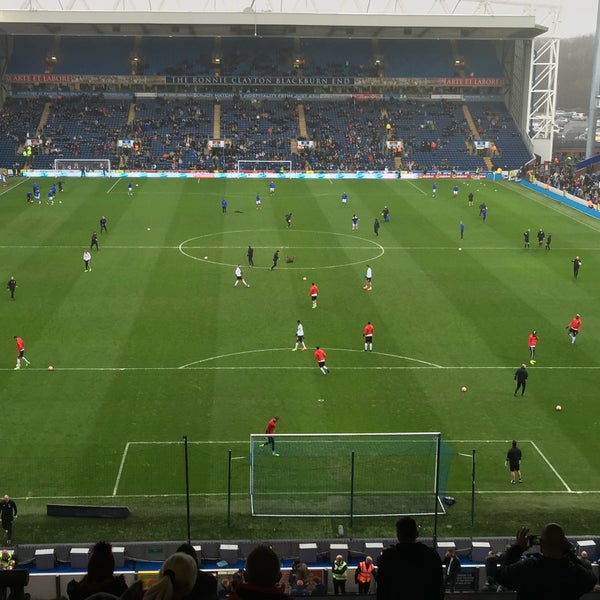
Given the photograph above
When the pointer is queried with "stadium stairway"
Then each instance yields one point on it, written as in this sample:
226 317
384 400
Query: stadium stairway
131 114
302 121
475 133
217 122
43 119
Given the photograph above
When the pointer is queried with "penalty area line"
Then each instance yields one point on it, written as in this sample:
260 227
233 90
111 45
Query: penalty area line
551 466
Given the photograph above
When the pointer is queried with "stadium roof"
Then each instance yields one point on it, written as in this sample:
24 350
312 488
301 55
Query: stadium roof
376 19
268 24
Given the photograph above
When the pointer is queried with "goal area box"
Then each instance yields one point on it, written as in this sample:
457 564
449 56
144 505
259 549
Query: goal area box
358 474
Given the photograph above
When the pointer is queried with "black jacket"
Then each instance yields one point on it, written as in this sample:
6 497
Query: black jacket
538 577
410 571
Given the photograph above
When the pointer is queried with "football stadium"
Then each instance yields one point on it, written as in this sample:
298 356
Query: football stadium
191 201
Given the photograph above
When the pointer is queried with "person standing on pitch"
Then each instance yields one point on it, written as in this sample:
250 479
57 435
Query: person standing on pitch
270 430
576 264
368 279
275 259
103 224
94 241
513 462
12 286
532 341
540 237
526 238
87 258
20 352
376 226
8 513
573 327
299 338
548 241
320 357
314 294
521 375
239 277
368 335
462 230
250 255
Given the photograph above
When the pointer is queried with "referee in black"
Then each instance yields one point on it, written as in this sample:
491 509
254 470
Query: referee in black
521 376
8 513
513 460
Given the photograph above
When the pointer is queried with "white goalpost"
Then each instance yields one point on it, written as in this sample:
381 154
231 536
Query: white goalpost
264 166
80 164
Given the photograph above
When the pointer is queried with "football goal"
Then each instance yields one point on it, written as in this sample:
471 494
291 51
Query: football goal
358 474
79 164
264 166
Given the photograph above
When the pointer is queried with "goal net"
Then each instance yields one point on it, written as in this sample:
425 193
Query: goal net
264 166
336 475
78 164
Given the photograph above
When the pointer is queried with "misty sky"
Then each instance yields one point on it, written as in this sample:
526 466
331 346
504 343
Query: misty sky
577 17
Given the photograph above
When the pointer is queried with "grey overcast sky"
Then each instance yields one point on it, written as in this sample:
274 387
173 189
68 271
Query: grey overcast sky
577 17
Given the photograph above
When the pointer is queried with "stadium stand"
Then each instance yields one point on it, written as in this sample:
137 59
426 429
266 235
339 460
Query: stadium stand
347 132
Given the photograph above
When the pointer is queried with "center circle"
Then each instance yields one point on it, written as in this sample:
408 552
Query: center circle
298 249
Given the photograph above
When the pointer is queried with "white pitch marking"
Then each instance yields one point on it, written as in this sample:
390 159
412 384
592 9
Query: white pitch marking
551 467
110 189
121 467
429 364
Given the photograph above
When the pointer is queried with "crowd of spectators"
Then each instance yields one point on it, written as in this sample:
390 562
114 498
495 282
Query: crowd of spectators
172 133
563 177
544 567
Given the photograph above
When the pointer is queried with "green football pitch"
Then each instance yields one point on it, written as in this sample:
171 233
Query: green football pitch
156 343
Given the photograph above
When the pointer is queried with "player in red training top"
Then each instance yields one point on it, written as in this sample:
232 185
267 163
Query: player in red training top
368 335
573 328
20 352
320 357
270 430
532 341
314 294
